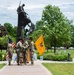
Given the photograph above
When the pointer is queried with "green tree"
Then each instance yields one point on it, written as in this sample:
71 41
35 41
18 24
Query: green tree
55 26
4 41
14 31
36 34
9 28
72 35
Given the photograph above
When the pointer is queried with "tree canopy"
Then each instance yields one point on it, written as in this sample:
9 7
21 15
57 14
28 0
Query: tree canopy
55 27
11 30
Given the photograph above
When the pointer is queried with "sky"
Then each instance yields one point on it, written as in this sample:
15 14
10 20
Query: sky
33 8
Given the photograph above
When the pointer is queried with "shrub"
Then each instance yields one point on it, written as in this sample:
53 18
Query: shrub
54 57
48 56
60 57
1 56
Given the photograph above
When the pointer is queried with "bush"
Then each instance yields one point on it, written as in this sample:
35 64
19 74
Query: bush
54 57
1 56
60 57
48 56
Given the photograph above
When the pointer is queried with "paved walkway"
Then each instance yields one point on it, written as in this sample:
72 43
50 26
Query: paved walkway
36 69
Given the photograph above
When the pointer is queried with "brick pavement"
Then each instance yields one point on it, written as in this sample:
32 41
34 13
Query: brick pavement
36 69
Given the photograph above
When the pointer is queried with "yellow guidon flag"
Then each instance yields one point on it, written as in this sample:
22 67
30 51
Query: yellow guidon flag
40 45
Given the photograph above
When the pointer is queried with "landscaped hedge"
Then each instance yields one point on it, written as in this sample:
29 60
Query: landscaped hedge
54 57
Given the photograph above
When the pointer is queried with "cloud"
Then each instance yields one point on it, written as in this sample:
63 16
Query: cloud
27 6
69 14
34 12
67 6
38 6
34 8
67 9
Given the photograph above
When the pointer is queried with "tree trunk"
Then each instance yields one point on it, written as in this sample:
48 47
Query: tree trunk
54 45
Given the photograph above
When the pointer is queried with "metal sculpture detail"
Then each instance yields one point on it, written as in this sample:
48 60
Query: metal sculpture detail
23 21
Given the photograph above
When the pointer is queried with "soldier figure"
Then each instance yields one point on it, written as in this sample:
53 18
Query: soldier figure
19 47
31 46
10 52
25 50
23 20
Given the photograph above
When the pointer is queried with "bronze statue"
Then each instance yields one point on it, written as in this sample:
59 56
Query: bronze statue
23 20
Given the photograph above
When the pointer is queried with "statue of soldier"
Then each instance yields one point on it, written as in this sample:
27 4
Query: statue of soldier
25 50
19 49
10 52
23 20
31 47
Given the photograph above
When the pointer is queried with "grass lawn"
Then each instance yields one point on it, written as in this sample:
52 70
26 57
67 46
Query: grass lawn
60 68
2 65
